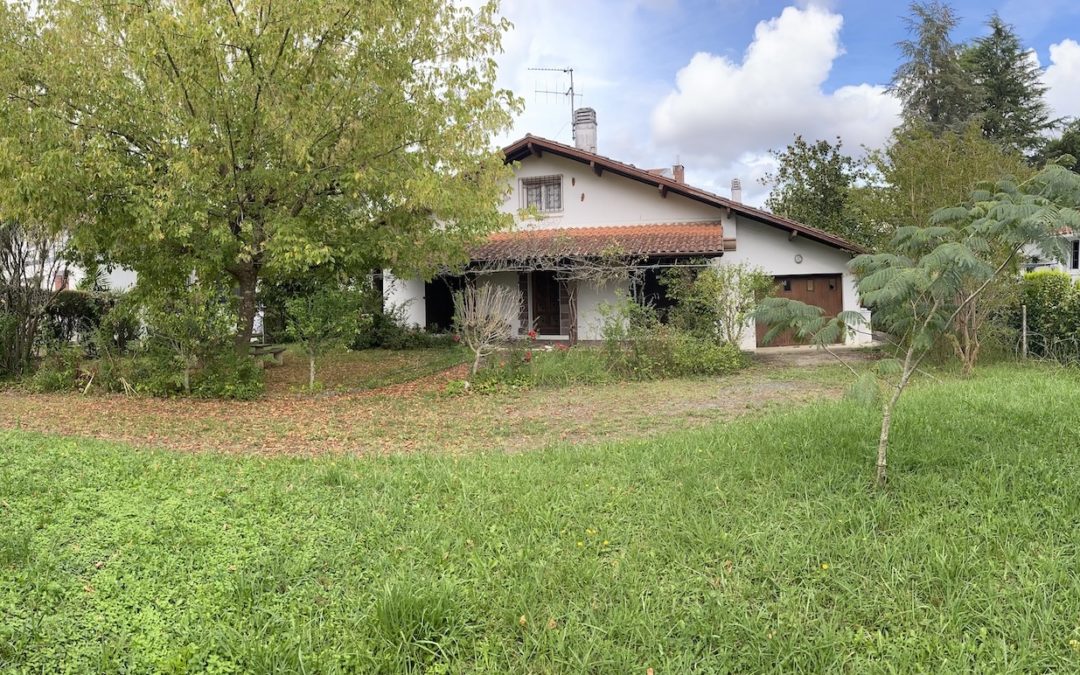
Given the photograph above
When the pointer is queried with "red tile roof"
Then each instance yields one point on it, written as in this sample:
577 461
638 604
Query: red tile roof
653 239
535 145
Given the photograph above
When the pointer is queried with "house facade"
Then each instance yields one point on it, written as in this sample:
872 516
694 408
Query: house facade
1070 264
591 230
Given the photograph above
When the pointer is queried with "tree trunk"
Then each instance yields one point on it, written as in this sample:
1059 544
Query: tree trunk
311 371
476 363
246 280
187 379
910 365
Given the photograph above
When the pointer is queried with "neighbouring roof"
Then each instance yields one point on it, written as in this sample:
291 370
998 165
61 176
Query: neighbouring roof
530 145
653 239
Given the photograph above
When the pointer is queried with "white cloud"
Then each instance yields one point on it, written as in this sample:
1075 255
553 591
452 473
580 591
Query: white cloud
725 116
1062 79
595 38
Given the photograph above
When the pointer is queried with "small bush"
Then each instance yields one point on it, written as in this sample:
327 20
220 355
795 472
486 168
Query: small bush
715 302
230 376
1053 314
638 347
387 329
59 370
693 356
663 352
75 315
223 374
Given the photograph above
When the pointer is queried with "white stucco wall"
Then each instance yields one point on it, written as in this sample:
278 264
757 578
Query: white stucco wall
1036 259
590 298
774 251
506 280
119 279
608 200
407 294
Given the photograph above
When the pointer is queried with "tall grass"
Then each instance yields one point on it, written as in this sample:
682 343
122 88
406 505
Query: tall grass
754 546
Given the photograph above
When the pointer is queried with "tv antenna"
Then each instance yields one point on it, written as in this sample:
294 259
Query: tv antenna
570 93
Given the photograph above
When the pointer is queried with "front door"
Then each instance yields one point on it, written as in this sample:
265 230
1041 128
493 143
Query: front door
822 291
545 303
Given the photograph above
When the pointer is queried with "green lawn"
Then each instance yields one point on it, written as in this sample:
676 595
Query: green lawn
752 546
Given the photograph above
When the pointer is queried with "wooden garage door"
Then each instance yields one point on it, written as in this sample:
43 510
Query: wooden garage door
823 291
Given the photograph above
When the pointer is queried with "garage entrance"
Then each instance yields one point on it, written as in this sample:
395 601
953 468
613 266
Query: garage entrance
823 290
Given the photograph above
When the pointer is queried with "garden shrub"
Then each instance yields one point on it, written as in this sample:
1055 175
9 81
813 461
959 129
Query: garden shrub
58 370
1053 314
228 375
385 328
635 346
223 374
714 302
75 315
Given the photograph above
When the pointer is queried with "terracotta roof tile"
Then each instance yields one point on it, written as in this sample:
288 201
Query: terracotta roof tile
654 239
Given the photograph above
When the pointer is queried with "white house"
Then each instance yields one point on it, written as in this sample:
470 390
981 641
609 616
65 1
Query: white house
593 207
1071 263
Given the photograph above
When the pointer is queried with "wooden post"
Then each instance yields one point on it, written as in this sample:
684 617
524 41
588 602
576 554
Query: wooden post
1023 332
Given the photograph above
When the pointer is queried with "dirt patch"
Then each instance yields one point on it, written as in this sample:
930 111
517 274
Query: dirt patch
415 416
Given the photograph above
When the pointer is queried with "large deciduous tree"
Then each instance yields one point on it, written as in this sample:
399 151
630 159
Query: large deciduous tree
247 139
920 170
813 184
1068 143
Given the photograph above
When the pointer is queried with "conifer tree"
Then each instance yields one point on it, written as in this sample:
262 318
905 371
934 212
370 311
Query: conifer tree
1011 108
932 83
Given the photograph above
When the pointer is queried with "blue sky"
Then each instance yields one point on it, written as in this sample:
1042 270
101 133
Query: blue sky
871 29
715 84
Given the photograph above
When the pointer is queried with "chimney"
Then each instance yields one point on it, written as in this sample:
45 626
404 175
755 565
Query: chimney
679 171
585 129
736 190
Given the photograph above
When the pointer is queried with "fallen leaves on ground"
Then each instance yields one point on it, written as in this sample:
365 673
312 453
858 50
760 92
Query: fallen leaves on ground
409 417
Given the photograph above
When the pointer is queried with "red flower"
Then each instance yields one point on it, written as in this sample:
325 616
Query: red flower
532 334
528 356
457 338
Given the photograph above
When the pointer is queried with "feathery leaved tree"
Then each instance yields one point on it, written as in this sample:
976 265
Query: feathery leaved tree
247 140
920 287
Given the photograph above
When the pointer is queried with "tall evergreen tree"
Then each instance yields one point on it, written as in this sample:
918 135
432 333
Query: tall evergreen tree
1012 111
932 83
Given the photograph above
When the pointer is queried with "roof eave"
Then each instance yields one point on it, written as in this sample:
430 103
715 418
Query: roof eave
530 144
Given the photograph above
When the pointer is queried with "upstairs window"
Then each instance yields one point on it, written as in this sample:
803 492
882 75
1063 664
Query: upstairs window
543 194
1075 262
